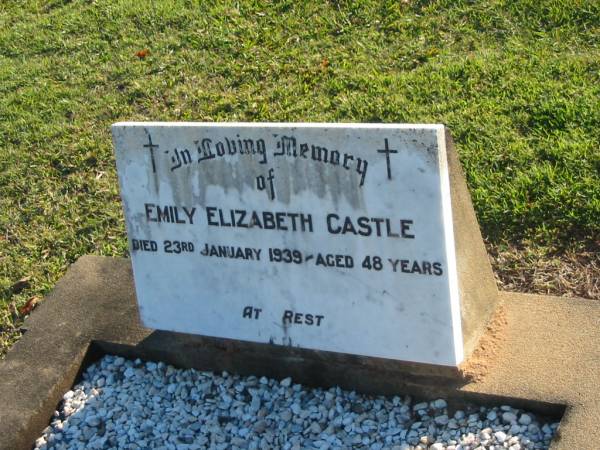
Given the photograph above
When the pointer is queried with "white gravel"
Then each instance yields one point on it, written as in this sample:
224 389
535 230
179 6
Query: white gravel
135 405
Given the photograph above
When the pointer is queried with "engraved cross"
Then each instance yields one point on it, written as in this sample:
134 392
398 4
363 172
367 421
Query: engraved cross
387 150
151 146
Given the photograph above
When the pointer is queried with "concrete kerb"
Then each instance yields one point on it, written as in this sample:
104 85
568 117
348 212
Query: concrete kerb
548 361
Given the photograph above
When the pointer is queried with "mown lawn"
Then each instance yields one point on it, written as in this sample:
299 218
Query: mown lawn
517 82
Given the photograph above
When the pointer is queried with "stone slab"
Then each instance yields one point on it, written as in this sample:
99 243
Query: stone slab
548 361
477 288
369 213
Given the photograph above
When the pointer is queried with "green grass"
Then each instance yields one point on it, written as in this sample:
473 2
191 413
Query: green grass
517 82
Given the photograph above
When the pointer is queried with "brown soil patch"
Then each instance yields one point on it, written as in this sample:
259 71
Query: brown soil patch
487 352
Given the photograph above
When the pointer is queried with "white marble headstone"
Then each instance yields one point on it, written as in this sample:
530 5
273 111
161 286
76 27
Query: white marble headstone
334 237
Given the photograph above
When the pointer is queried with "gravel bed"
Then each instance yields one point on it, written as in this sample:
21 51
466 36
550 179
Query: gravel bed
138 405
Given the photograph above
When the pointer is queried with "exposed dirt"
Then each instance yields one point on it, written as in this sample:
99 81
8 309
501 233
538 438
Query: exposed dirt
486 354
519 270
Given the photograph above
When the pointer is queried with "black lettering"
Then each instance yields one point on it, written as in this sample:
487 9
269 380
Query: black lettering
426 267
437 268
347 158
298 318
389 229
415 267
177 219
239 144
394 263
335 158
210 212
220 149
206 150
240 222
364 226
287 316
185 156
231 147
255 221
405 227
262 151
268 220
348 226
378 223
162 215
222 220
280 219
287 146
190 214
303 150
306 220
144 245
329 227
271 177
404 266
319 153
293 216
361 168
248 147
249 311
149 208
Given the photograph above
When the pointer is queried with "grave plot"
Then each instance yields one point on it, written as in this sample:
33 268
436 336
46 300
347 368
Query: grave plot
120 403
309 261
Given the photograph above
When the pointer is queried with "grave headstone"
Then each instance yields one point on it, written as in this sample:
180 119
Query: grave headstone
350 238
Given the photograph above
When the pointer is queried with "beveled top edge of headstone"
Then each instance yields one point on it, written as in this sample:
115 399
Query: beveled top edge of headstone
407 126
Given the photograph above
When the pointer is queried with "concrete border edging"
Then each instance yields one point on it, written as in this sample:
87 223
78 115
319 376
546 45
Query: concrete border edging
549 359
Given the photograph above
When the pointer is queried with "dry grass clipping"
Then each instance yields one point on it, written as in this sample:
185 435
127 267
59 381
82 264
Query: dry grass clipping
567 275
